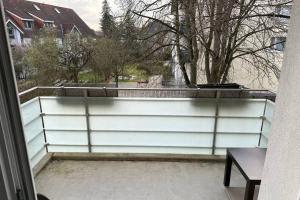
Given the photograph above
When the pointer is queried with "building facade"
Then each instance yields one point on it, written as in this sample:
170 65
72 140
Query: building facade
25 18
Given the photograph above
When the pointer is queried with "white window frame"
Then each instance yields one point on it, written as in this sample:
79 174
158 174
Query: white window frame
16 180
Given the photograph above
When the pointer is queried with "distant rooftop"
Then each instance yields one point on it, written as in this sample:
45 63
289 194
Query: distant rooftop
61 17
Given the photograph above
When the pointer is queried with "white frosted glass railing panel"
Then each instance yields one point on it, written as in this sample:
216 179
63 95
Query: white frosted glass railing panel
64 105
75 149
38 157
67 137
33 128
270 107
263 141
152 106
239 125
152 123
152 139
220 151
237 140
265 133
266 129
139 125
30 110
163 150
245 108
36 146
65 122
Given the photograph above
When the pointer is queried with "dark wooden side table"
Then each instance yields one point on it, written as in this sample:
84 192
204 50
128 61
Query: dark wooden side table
250 162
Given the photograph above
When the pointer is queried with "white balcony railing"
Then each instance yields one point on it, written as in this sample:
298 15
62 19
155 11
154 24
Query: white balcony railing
203 126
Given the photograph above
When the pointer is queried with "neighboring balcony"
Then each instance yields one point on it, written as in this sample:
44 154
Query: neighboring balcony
141 124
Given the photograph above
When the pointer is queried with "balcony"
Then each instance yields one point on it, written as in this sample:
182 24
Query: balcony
85 131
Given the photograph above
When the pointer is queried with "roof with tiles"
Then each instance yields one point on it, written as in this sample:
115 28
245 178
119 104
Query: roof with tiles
63 18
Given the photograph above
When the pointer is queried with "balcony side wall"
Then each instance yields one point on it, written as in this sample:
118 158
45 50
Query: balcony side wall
281 177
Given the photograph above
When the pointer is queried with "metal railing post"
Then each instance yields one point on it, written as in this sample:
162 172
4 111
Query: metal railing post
64 92
216 122
104 88
262 122
87 116
43 124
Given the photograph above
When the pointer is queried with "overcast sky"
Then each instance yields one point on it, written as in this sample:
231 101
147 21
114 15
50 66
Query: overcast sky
88 10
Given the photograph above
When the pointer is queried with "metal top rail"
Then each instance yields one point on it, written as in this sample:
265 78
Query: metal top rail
154 89
146 92
27 91
147 89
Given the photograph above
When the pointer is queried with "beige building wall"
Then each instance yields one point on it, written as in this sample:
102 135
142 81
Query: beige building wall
247 75
281 176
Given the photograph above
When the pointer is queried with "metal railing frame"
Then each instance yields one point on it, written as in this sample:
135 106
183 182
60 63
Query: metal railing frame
87 115
145 89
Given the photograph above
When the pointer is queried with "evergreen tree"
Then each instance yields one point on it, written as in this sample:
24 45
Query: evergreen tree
128 34
128 28
107 21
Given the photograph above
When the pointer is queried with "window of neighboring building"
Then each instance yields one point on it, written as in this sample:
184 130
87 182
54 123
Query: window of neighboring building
11 31
28 24
48 24
283 10
185 55
278 43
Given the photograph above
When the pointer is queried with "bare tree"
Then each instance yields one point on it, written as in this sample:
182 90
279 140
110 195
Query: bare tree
212 34
74 55
237 29
22 69
110 59
42 57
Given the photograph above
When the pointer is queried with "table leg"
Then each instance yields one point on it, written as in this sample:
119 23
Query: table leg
249 192
227 172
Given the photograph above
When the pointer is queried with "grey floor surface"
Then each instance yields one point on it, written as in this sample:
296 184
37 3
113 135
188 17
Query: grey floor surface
117 180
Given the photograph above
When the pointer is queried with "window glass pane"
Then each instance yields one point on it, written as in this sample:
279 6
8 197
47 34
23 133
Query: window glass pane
278 43
28 24
10 31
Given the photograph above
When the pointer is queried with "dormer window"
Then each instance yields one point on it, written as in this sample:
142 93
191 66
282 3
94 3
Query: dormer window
57 10
28 24
36 7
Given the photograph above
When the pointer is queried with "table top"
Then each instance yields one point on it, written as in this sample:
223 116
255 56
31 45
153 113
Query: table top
250 161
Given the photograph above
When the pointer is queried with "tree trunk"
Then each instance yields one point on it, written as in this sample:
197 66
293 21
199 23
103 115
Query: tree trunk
75 76
117 81
177 43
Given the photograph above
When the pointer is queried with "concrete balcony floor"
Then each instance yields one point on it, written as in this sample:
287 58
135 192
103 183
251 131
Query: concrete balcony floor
125 180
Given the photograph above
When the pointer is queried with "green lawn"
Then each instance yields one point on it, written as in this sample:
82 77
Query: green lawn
90 77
